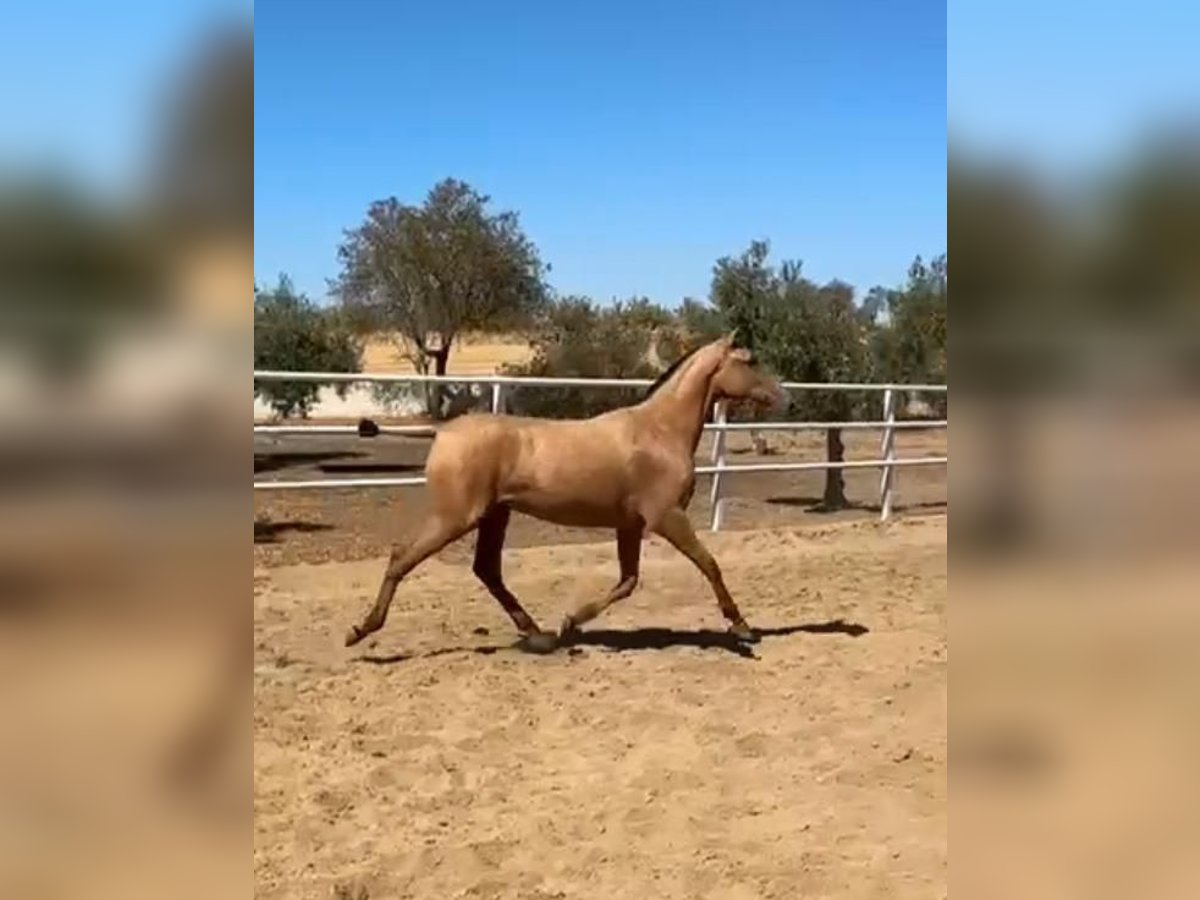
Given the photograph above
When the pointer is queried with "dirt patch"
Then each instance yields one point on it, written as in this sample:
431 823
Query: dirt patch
655 758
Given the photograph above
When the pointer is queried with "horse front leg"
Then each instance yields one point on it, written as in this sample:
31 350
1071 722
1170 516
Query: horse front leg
629 553
678 531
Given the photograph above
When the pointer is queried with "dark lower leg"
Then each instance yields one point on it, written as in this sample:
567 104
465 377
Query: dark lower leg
686 499
434 535
585 612
629 549
489 544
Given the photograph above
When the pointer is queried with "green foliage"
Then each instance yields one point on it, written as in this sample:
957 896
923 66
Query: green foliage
73 271
802 332
699 323
912 346
744 291
292 334
577 338
798 329
434 271
816 334
1146 262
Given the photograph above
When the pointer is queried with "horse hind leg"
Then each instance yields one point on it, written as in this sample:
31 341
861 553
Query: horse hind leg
629 552
489 544
436 532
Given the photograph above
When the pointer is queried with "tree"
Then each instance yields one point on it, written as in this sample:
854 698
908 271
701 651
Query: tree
657 325
293 334
1144 263
802 331
743 289
430 273
699 323
817 334
73 272
576 338
911 347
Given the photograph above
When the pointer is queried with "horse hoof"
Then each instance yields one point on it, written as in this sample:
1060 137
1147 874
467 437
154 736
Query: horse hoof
354 635
744 633
567 630
539 642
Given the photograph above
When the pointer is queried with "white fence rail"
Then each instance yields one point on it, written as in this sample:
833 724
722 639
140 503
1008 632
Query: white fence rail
720 467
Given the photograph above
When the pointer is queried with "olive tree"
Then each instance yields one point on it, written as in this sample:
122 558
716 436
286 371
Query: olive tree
430 273
291 333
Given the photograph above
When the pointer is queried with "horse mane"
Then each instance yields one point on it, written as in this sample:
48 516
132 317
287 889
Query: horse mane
668 372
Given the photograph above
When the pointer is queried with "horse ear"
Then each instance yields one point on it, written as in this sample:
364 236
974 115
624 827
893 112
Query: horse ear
731 338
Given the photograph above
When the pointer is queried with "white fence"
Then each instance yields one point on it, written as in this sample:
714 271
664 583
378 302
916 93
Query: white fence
500 385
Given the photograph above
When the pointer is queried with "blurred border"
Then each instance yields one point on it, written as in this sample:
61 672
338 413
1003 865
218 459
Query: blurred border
126 279
1074 219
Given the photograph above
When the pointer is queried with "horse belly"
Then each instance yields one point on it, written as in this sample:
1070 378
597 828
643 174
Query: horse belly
579 513
598 504
568 477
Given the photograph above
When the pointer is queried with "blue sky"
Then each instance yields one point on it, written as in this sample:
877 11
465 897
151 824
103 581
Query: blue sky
639 141
1070 84
86 83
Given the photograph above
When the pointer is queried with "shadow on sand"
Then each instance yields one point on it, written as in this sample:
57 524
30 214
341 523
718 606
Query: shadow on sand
272 462
816 505
619 641
266 532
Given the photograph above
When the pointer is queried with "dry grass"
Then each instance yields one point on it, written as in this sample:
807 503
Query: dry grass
473 355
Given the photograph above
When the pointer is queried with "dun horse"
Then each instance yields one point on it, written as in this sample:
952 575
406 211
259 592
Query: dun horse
630 470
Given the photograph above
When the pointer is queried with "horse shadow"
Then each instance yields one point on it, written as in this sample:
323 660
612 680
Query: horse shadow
640 639
267 461
816 505
621 641
267 532
376 466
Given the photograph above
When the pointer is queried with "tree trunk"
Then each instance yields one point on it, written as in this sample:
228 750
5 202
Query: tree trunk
436 390
835 482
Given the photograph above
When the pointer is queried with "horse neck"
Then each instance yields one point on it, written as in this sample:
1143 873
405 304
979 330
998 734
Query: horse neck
682 403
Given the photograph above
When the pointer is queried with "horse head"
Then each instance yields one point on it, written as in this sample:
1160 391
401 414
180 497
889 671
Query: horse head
738 377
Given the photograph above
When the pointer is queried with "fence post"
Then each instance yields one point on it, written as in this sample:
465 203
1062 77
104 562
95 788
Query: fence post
716 501
887 451
497 398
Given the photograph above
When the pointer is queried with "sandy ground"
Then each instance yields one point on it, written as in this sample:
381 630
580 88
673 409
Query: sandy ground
653 759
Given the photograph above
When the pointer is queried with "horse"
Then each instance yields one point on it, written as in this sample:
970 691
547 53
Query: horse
630 469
